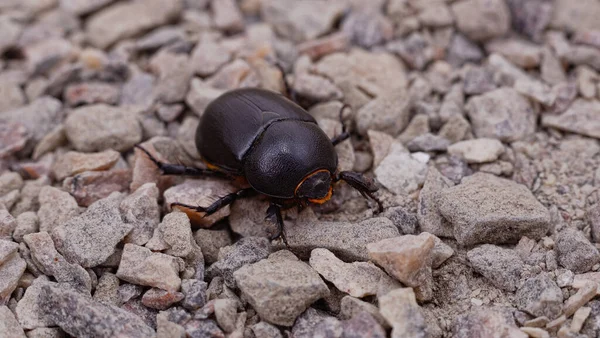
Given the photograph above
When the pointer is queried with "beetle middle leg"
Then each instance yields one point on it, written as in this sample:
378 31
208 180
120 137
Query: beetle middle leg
220 203
274 214
177 169
359 182
345 134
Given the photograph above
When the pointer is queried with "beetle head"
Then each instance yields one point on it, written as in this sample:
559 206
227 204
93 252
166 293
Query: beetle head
316 187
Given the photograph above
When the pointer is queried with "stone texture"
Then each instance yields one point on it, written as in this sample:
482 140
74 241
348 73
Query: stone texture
502 267
211 241
400 309
71 163
11 271
488 209
486 323
351 307
540 296
143 267
91 186
142 211
482 19
401 172
9 326
161 299
246 251
173 76
479 150
90 238
280 288
428 214
575 252
28 310
362 325
576 16
389 113
582 117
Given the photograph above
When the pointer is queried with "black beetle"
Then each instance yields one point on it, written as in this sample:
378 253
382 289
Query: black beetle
275 145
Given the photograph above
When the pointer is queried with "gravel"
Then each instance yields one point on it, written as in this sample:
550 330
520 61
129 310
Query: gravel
502 267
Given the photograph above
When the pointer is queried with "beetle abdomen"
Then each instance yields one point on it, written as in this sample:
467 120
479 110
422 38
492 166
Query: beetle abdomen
285 154
232 122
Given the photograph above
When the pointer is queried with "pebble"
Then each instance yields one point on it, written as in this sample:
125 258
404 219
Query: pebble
407 258
141 209
575 252
194 294
72 162
246 251
428 214
428 143
11 30
347 240
27 223
144 267
107 290
485 323
226 15
173 76
51 263
91 318
211 240
91 186
535 90
389 113
358 279
416 50
463 50
113 23
318 48
11 95
9 326
399 307
488 209
28 310
352 307
266 330
161 299
579 299
401 172
576 16
520 52
579 318
28 199
90 93
200 95
10 181
591 326
226 314
292 287
161 37
380 143
138 89
441 252
502 267
247 218
90 238
367 27
45 54
481 20
582 117
11 271
540 296
479 150
175 230
128 292
208 57
530 18
315 88
7 248
315 323
99 127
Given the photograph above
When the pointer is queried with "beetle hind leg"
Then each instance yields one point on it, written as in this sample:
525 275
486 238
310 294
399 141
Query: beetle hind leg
365 186
177 169
274 214
218 204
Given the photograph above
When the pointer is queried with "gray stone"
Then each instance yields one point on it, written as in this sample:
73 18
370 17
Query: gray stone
90 93
416 50
503 114
11 31
502 267
401 172
99 127
203 328
428 214
176 232
9 326
128 292
114 22
27 223
10 181
194 292
479 150
485 323
582 117
367 27
482 19
72 162
200 95
28 309
91 186
51 263
8 224
266 330
520 52
207 57
315 323
488 209
144 267
211 241
10 272
389 113
11 95
246 251
362 325
174 75
90 238
45 54
226 15
82 7
540 296
90 318
351 307
292 287
478 80
226 314
28 199
142 211
530 17
138 89
428 142
399 307
7 248
463 50
576 16
315 88
13 138
162 36
406 222
161 299
575 252
107 290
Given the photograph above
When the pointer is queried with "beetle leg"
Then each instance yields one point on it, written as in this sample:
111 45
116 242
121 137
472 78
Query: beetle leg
365 186
274 211
345 134
289 91
176 169
218 204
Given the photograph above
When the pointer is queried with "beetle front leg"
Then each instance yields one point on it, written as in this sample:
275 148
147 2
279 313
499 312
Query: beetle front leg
177 169
274 211
345 134
365 186
218 204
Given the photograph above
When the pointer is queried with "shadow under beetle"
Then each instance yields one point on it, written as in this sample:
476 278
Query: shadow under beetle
275 145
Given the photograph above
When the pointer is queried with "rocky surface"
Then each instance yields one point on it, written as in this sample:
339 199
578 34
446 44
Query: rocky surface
478 120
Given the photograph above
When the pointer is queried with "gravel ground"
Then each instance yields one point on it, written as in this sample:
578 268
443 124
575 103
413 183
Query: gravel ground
480 119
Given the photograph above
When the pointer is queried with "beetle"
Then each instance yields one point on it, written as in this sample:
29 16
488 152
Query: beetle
275 145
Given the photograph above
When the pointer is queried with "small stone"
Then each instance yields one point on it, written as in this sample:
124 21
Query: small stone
91 93
201 192
10 181
407 258
575 252
138 89
11 30
51 263
583 295
174 75
315 323
481 20
400 172
576 16
301 21
551 68
142 211
530 17
367 28
207 57
90 238
27 223
345 150
582 117
56 207
478 80
352 307
266 330
520 52
247 218
416 50
405 221
400 309
463 50
43 55
91 318
346 240
479 150
99 127
80 7
234 75
436 15
358 279
226 314
161 299
317 48
227 15
11 95
246 251
160 37
28 309
418 125
176 232
428 143
113 23
428 214
381 143
211 240
565 93
54 139
91 186
166 328
315 88
201 95
10 272
28 199
293 286
129 292
389 113
485 323
72 162
506 72
502 267
535 90
7 248
143 267
194 292
579 318
540 296
362 325
488 209
9 326
107 290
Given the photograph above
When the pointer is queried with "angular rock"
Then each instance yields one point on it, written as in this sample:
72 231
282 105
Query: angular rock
576 16
91 186
416 50
82 7
535 90
503 114
399 307
428 143
107 290
358 279
99 127
9 326
479 150
540 296
463 50
174 75
246 251
264 329
292 287
51 263
226 314
351 307
114 22
389 113
28 309
176 232
194 294
207 57
520 52
481 20
11 95
200 95
478 80
10 181
582 117
72 162
142 211
91 92
316 88
575 252
10 272
247 218
367 27
227 15
485 323
27 223
315 323
530 17
428 214
7 248
401 172
161 299
143 267
488 209
90 238
28 199
502 267
138 89
362 325
211 241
